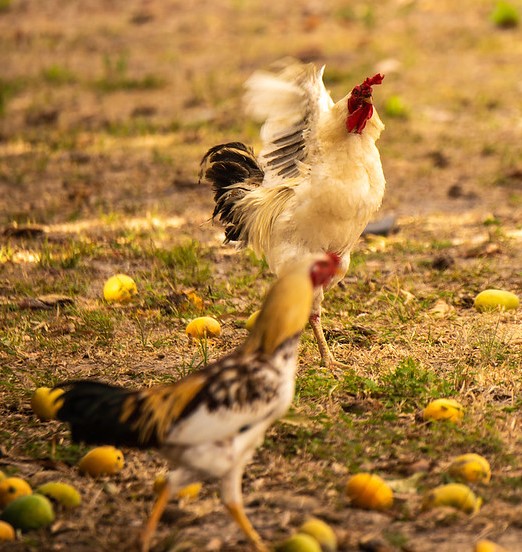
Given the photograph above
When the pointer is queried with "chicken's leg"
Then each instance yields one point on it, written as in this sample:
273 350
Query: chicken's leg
176 480
327 358
233 500
152 522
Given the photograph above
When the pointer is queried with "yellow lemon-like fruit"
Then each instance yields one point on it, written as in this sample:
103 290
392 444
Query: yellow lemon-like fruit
106 460
190 491
7 532
367 490
485 545
299 543
45 404
11 488
119 289
204 326
471 468
29 512
2 475
496 299
251 320
321 532
456 495
63 493
444 409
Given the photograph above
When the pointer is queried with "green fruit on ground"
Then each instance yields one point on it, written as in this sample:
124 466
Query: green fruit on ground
321 532
63 493
29 512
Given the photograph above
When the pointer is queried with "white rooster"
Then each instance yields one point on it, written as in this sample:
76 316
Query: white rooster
316 182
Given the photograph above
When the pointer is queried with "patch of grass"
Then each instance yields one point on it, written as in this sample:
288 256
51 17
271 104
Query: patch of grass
8 88
116 77
505 15
58 75
187 263
412 385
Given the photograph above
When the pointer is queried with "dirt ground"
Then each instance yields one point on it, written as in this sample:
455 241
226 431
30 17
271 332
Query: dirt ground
106 109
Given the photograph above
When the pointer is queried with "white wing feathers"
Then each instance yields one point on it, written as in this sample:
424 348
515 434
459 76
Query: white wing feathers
290 103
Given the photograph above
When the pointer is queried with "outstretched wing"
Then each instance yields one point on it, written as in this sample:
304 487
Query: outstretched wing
290 102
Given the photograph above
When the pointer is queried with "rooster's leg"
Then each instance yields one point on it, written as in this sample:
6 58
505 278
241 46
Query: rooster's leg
175 481
327 358
233 500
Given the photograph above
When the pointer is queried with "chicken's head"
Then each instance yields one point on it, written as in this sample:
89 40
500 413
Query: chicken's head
360 107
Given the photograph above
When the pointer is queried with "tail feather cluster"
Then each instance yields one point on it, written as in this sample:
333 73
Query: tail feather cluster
94 412
233 171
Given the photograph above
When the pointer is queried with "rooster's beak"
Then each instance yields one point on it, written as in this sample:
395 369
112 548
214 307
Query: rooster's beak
368 100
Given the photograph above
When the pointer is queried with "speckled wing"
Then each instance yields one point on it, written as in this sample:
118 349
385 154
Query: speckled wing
239 392
290 102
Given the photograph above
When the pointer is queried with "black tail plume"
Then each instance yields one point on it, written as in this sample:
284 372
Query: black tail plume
233 171
93 410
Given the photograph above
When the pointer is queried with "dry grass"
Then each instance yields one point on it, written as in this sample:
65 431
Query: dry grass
103 120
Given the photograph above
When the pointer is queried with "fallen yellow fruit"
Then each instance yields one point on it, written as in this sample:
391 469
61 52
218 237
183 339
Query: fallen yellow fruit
496 299
488 546
251 320
7 532
456 495
44 403
367 490
204 326
119 289
321 532
444 409
299 543
63 493
2 475
470 468
190 491
11 488
106 460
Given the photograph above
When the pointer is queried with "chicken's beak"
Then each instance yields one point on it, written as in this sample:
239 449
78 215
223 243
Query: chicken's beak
368 100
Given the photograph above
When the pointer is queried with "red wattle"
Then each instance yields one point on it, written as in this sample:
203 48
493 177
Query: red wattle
356 121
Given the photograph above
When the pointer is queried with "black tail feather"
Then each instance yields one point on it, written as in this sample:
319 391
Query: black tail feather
227 166
93 410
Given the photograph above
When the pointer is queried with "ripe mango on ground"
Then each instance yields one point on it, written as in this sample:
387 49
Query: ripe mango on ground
444 409
367 490
44 402
119 289
11 488
106 460
456 495
203 327
470 468
321 532
496 299
63 493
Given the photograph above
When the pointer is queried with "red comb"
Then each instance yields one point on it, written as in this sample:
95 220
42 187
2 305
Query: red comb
376 79
360 110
